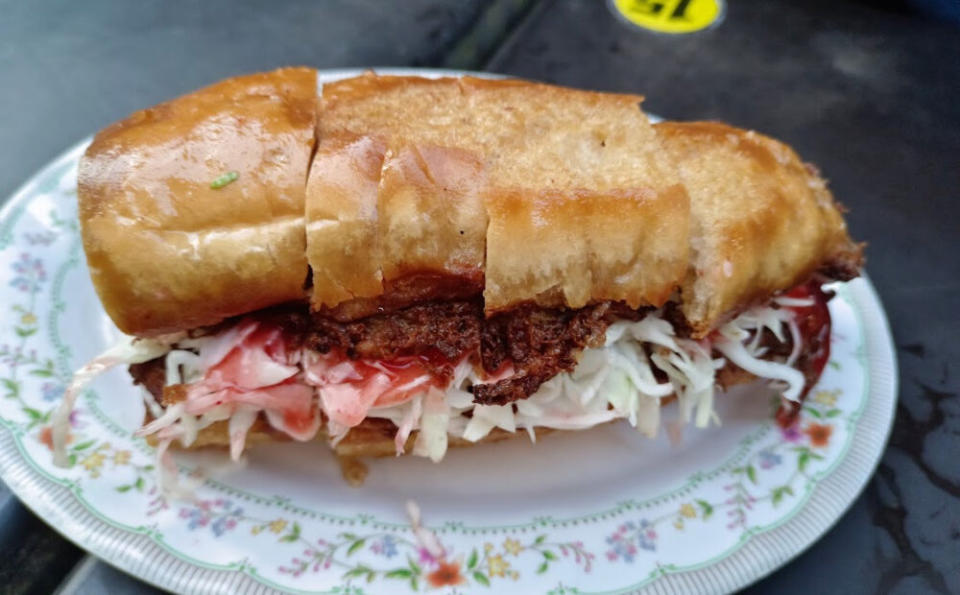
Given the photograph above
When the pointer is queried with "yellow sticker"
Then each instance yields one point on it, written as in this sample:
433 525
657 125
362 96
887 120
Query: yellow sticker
670 16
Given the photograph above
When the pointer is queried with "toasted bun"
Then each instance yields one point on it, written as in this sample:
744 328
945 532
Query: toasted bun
168 252
374 437
527 192
425 189
341 208
761 220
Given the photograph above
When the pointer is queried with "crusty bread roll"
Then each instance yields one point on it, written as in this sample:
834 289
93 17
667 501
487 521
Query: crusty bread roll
762 221
341 219
572 248
167 251
431 215
565 192
406 220
374 437
440 188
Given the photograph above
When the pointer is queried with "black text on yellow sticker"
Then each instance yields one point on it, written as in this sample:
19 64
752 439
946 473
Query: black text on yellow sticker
670 16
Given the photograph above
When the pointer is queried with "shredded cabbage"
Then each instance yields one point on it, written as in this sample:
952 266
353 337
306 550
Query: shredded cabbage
432 440
405 425
129 350
738 340
616 381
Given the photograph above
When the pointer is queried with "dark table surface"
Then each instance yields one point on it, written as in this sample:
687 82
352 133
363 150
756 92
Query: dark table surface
869 91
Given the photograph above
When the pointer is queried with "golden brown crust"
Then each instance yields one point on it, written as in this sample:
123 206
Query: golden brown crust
429 217
387 228
431 211
165 250
374 437
343 239
762 221
570 249
582 205
414 288
441 188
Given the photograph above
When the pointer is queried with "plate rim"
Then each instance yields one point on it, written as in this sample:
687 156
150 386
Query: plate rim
726 571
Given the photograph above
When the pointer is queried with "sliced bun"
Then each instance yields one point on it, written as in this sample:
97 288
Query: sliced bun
424 189
166 251
343 245
565 192
762 220
374 437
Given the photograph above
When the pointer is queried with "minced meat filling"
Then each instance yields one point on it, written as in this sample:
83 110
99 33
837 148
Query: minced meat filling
450 328
538 343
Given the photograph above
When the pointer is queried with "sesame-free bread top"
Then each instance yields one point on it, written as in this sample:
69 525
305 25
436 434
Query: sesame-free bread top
762 220
167 251
530 192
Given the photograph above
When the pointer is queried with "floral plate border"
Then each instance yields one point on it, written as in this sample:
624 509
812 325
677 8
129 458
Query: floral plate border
362 549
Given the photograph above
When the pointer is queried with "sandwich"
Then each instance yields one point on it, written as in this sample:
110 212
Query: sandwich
402 264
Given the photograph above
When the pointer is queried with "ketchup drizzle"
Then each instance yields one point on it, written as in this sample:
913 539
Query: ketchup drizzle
813 322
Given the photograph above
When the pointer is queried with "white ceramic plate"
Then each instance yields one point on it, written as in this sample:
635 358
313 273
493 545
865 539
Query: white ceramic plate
589 512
